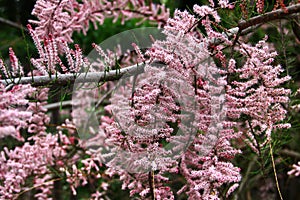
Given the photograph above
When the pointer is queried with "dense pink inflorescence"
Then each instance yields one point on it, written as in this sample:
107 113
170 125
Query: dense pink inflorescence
62 17
205 163
13 112
258 94
20 163
49 61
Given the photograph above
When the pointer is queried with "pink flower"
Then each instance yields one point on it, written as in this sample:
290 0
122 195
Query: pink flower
296 170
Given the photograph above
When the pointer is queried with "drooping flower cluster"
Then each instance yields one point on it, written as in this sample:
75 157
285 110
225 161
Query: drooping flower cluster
18 164
260 4
13 112
258 94
62 17
184 91
205 164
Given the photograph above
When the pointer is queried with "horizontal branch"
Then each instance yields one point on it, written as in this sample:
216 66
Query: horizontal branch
270 16
53 106
79 78
290 153
11 23
138 68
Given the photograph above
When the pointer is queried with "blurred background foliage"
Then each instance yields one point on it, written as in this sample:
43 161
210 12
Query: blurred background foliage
282 35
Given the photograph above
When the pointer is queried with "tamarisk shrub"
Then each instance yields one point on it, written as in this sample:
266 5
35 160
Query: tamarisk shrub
171 132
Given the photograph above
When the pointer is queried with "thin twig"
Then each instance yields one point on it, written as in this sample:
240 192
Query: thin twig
68 103
260 153
36 186
274 169
245 178
11 23
283 47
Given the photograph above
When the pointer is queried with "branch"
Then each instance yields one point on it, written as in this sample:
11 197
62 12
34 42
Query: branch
151 184
131 70
56 105
10 23
270 16
290 153
275 172
80 78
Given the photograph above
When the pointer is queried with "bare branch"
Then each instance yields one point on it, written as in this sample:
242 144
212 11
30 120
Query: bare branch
270 16
79 78
56 105
290 153
243 27
11 23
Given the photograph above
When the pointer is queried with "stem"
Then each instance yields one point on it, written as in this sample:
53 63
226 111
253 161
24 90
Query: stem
260 156
58 105
152 184
37 186
275 173
283 45
245 178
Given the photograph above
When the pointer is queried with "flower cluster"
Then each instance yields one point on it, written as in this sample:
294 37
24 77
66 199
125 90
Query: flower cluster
258 94
178 102
18 164
13 112
16 69
49 61
62 17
